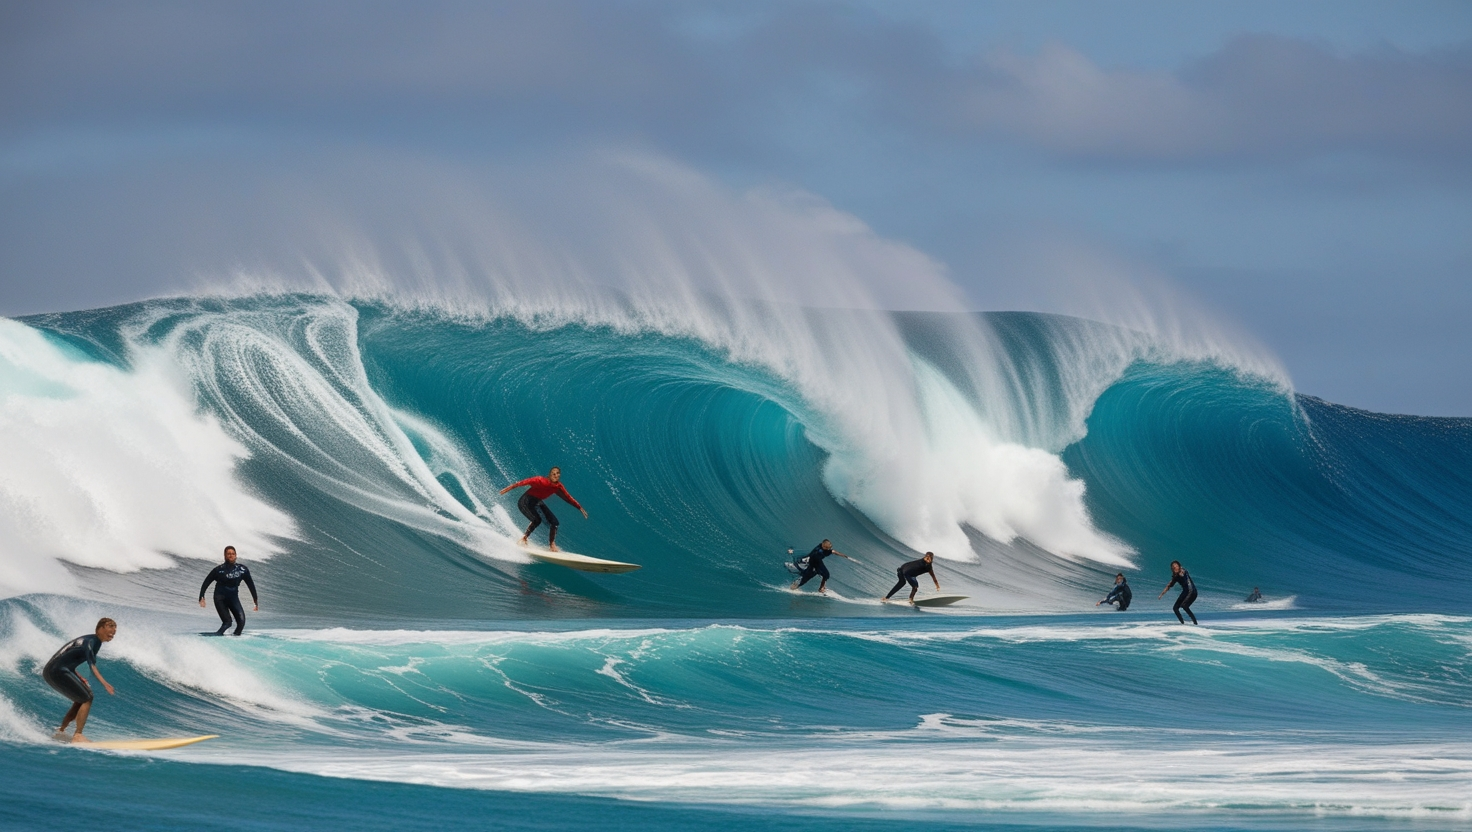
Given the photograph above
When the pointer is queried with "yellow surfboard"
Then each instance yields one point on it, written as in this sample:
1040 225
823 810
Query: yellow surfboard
148 745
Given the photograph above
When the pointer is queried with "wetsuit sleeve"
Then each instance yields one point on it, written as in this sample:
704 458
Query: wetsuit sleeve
527 481
208 579
1175 579
252 584
562 492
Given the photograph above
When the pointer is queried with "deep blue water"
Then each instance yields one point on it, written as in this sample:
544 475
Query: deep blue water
410 670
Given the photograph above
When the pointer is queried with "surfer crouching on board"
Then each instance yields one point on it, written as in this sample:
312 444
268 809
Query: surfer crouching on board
815 565
1121 594
908 573
532 506
61 674
1178 575
227 577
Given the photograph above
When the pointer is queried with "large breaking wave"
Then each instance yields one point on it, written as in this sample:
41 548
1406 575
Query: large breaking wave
359 446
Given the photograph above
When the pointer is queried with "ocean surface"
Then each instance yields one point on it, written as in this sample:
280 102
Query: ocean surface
410 669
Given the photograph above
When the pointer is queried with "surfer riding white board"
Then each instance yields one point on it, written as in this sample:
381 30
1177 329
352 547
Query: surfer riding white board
908 572
534 508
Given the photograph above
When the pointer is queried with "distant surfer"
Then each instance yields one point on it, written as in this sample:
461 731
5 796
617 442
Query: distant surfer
1255 597
227 577
1120 594
910 572
1178 575
815 565
534 508
61 674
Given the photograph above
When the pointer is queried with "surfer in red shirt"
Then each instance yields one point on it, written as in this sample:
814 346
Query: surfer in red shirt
531 503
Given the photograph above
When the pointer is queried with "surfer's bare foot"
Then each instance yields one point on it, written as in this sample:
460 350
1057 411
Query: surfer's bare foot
794 584
60 735
79 738
523 541
552 547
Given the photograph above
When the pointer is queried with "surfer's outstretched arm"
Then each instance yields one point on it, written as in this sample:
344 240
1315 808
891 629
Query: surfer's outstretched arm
98 676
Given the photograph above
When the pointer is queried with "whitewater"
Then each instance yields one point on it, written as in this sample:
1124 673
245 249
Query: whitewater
410 668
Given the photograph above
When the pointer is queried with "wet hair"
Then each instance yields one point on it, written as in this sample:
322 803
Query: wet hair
930 554
230 549
554 468
103 622
1119 574
826 542
1175 563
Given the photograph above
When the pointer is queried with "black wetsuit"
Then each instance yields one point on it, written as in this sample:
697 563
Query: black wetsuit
61 670
227 578
536 511
1121 594
1187 596
815 565
1255 597
908 572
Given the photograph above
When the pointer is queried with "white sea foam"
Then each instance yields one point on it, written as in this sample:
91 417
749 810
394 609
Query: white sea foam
112 469
1071 772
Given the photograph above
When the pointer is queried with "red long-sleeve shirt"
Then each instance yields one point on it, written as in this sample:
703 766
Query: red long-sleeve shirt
542 488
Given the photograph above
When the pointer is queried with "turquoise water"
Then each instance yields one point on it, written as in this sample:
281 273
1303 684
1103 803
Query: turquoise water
410 670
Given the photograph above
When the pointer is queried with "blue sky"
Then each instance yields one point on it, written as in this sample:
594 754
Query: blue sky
1302 170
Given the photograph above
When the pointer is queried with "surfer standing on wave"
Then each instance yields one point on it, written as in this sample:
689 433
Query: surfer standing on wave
908 572
1179 575
815 565
532 506
227 577
61 674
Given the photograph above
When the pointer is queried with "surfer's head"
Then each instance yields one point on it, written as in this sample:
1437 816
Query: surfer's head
555 474
229 554
106 628
1175 566
929 557
1119 577
826 544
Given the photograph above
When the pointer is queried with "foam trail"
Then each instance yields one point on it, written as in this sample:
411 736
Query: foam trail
288 381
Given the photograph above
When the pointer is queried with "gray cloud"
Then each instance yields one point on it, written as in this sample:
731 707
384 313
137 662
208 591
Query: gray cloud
715 80
1257 97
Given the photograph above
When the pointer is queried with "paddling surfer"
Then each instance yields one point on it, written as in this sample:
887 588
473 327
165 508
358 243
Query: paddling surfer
815 565
227 577
61 674
909 572
533 506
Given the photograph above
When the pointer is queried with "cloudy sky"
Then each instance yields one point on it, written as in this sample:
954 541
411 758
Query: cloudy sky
1303 170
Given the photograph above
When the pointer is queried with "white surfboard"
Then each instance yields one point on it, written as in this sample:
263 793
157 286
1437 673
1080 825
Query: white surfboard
147 745
939 600
582 563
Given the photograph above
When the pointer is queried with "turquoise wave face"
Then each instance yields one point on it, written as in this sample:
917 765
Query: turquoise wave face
1342 508
384 435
